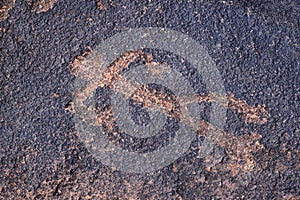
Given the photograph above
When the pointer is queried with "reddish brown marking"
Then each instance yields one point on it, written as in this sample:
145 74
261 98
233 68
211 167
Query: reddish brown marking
239 149
111 74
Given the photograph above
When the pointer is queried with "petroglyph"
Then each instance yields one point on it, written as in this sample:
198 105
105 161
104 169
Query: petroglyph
239 149
129 77
113 79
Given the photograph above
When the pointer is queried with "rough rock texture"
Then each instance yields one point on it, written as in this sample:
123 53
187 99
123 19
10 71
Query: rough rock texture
256 48
40 5
5 6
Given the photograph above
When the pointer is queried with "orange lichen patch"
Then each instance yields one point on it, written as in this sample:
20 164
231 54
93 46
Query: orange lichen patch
6 6
40 5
